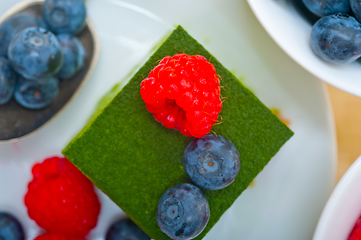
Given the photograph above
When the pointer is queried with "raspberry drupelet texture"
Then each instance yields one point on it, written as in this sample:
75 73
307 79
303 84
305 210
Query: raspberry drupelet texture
183 93
61 199
57 236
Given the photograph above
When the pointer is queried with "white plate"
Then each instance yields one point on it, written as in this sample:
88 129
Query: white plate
292 33
288 196
343 208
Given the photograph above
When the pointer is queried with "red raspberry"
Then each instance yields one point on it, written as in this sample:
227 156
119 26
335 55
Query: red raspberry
183 93
61 199
57 236
356 232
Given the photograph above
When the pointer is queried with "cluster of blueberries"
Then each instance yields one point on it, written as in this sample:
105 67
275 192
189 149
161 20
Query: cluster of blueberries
212 163
11 229
336 37
35 53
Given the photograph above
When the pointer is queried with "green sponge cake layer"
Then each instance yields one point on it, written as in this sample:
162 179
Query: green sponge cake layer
134 159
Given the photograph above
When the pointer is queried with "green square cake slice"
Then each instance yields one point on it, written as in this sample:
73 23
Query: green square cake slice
134 159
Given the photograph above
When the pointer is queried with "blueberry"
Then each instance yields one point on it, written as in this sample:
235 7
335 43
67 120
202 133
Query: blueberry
10 228
211 162
183 211
327 7
303 11
7 80
74 54
64 16
13 25
125 229
337 38
36 94
356 8
35 53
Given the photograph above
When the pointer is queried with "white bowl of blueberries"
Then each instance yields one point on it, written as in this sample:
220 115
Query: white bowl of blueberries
47 51
323 36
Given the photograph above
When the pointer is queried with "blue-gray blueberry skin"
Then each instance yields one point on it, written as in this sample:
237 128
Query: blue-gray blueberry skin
327 7
35 53
74 55
183 212
7 80
337 39
64 16
10 228
211 162
36 94
356 8
13 25
125 229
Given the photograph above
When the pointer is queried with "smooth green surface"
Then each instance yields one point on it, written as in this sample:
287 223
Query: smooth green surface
134 159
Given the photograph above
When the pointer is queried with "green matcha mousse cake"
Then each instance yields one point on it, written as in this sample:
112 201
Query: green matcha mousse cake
134 159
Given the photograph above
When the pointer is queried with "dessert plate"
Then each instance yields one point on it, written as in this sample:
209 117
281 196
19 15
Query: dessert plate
16 121
286 23
286 199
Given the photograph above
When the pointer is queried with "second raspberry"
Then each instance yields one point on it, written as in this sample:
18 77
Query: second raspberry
61 199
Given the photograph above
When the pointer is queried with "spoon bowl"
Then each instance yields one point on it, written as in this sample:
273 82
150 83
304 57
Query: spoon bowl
289 23
16 121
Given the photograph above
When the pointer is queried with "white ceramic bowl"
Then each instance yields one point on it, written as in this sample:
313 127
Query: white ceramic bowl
343 208
291 31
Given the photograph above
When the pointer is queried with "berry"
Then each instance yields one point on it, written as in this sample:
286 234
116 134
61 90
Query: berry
356 232
337 39
64 16
13 25
74 54
57 236
183 93
356 8
61 199
35 53
7 81
183 211
36 94
10 228
327 7
125 229
211 162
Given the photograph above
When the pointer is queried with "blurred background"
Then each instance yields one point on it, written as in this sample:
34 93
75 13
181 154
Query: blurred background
347 113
